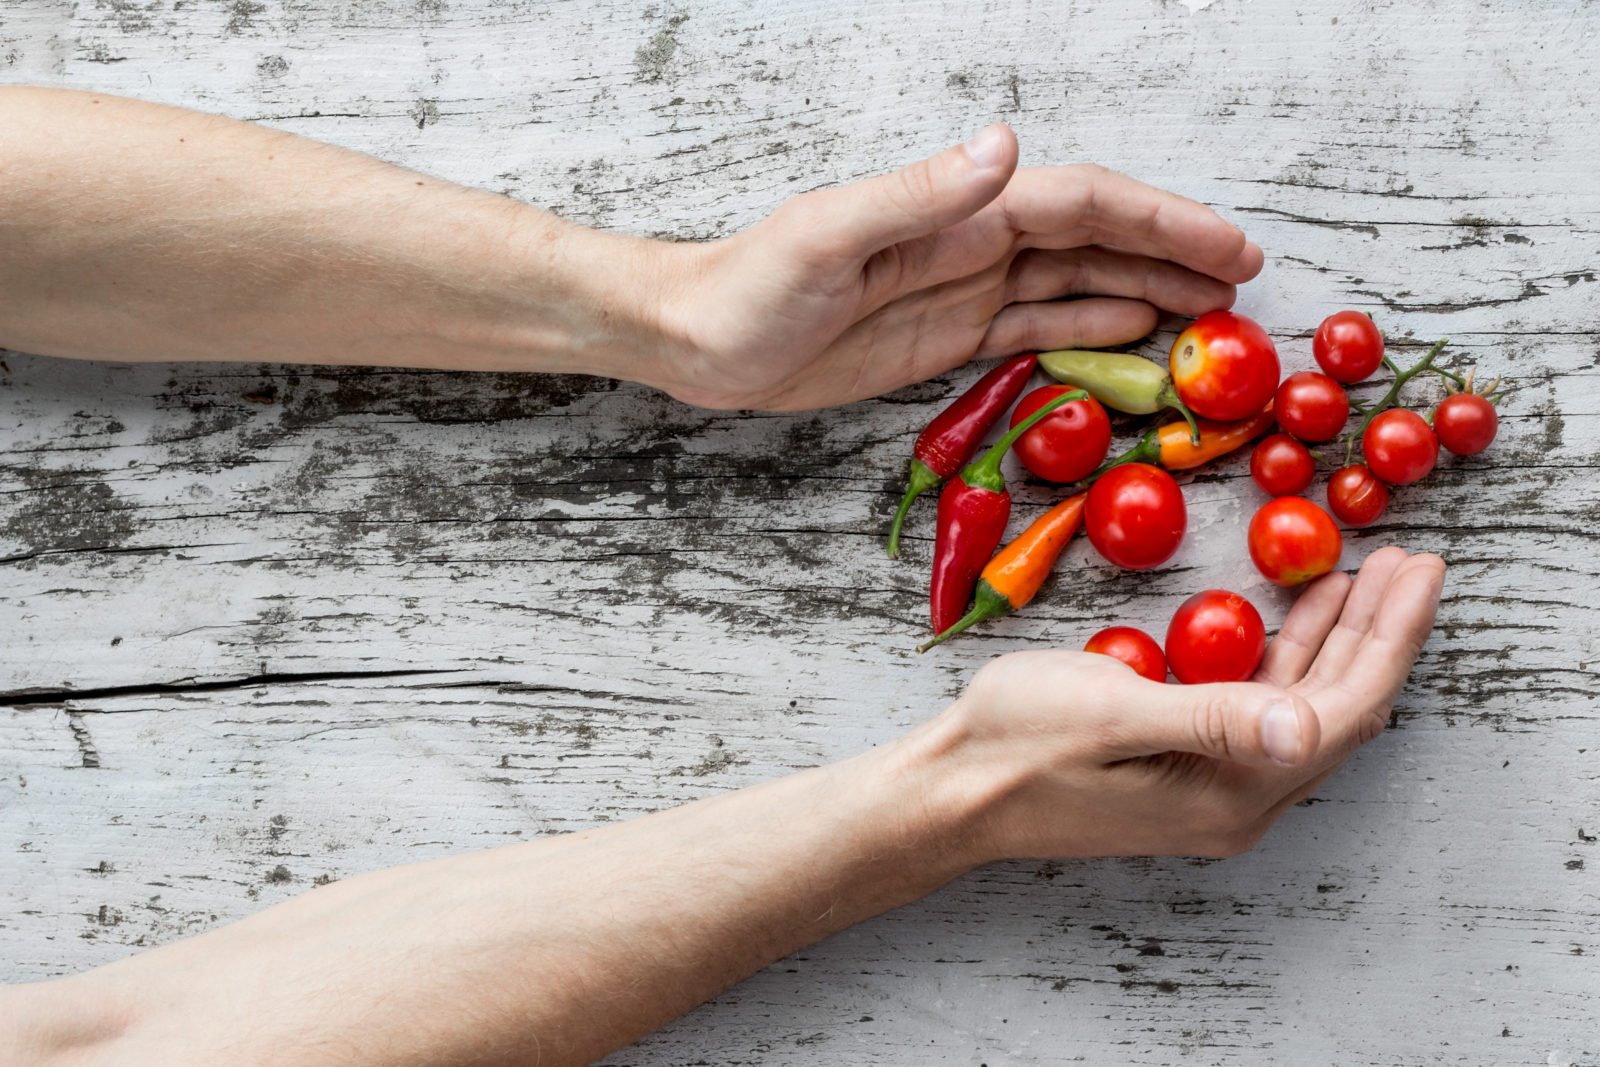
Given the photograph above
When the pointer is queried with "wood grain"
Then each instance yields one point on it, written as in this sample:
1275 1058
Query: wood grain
262 627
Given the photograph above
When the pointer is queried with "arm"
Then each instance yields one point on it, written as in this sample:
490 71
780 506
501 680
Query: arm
139 232
560 950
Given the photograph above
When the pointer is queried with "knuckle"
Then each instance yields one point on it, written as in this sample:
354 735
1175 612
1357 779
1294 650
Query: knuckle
917 190
1210 725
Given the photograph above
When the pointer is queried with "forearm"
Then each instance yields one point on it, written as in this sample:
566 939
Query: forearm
133 231
552 952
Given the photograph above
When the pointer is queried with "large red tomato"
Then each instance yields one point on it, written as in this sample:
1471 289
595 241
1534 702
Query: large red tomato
1224 366
1067 444
1216 636
1356 496
1293 541
1135 516
1400 446
1348 346
1132 646
1311 406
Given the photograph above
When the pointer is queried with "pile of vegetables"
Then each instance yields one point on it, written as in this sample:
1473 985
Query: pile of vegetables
1222 379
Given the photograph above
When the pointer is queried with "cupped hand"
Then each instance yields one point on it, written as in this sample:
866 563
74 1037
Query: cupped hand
854 291
1070 753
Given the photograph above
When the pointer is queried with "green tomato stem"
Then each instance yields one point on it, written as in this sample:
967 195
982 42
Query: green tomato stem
1388 399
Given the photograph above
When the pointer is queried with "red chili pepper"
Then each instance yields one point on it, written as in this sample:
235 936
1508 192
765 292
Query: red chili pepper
955 433
973 510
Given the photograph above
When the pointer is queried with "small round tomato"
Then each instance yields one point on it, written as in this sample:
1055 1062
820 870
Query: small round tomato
1216 636
1135 516
1466 423
1311 406
1281 465
1348 346
1293 541
1224 366
1356 496
1134 647
1400 446
1067 444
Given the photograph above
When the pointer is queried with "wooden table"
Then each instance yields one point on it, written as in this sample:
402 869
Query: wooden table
263 627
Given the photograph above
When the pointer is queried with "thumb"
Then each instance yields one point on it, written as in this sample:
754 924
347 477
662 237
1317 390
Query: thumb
868 216
1239 722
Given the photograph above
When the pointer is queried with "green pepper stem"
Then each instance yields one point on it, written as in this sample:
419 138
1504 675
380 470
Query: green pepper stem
921 478
1169 397
1401 377
988 603
985 473
1148 450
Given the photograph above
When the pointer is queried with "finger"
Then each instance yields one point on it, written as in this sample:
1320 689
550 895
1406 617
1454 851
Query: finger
1055 207
854 221
1045 274
1311 619
1240 722
1357 708
1092 322
1360 608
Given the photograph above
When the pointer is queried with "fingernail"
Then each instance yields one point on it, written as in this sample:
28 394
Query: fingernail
987 147
1280 732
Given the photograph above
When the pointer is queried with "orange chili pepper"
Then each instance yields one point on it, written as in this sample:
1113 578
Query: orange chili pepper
1014 575
1171 448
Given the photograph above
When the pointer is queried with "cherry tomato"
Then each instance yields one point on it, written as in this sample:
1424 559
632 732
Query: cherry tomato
1356 495
1348 346
1135 516
1224 366
1067 444
1466 423
1134 647
1281 465
1311 406
1293 541
1216 636
1400 446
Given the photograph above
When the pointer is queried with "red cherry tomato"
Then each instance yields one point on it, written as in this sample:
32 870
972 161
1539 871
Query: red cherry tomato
1400 446
1067 444
1293 541
1466 423
1356 496
1135 516
1134 647
1224 366
1281 465
1311 406
1216 636
1348 346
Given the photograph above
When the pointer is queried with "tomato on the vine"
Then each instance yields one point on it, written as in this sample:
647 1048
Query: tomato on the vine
1281 465
1135 516
1356 496
1293 541
1132 646
1465 423
1348 346
1215 636
1311 406
1067 444
1224 366
1400 446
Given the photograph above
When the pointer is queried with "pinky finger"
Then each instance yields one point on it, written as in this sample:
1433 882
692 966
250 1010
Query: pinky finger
1092 322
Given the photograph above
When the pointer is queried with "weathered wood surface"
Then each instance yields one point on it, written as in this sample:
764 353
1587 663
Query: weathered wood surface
318 623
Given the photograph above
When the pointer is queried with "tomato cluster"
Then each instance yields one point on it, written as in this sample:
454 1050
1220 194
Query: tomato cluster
1225 369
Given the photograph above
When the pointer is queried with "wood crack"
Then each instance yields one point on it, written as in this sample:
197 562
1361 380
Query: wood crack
35 697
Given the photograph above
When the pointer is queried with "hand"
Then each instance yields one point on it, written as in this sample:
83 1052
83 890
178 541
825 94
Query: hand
1071 753
851 292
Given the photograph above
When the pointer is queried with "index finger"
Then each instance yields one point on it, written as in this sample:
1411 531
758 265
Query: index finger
1065 207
